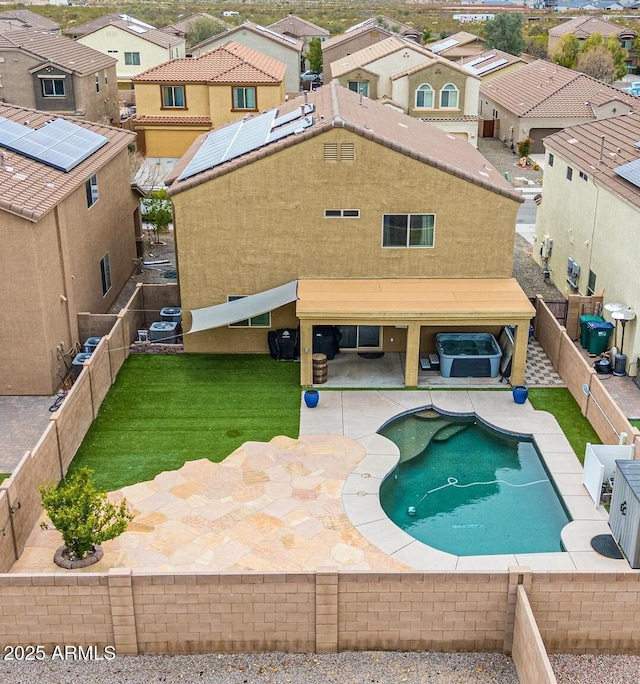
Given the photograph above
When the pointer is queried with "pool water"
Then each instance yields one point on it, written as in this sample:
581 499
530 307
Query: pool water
466 489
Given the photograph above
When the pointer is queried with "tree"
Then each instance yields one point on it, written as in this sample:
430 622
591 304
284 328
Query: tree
505 33
82 514
315 56
201 29
567 53
158 211
619 56
426 35
598 63
537 47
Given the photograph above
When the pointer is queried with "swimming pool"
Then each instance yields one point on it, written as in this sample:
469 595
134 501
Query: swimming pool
467 489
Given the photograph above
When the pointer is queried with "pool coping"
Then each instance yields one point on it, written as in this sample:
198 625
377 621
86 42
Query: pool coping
360 414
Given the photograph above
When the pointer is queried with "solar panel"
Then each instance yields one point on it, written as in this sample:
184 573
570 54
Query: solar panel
264 29
59 143
630 172
439 47
493 65
294 127
477 60
292 116
212 150
252 135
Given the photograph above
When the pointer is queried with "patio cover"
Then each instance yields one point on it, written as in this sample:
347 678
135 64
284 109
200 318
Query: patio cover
414 302
241 309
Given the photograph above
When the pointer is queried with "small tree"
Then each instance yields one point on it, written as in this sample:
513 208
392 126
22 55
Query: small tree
158 211
598 63
201 29
524 147
426 35
567 53
315 56
505 33
82 514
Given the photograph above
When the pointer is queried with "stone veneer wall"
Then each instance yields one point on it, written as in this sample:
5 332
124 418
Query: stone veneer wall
323 611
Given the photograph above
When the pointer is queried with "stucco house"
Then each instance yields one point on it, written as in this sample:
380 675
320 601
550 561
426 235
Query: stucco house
297 27
267 41
541 98
587 223
370 223
68 222
404 75
180 99
137 46
55 74
584 26
458 45
24 18
362 35
491 63
182 27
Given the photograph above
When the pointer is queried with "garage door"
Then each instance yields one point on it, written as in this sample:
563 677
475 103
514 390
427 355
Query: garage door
537 134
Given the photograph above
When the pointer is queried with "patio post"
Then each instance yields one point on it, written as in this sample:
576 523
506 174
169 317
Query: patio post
412 355
306 350
519 360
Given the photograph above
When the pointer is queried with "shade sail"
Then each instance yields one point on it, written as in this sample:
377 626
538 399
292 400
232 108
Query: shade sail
241 309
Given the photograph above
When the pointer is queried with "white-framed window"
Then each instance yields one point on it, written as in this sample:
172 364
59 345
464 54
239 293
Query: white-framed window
449 97
173 97
569 173
132 58
424 97
97 80
342 213
91 188
360 87
408 230
260 321
550 159
52 87
105 274
244 98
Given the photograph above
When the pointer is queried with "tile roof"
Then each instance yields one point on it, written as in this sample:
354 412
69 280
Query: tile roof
291 43
354 33
184 26
29 19
193 120
461 38
228 63
58 50
31 189
484 60
299 27
152 35
99 22
382 21
598 147
338 107
543 89
583 27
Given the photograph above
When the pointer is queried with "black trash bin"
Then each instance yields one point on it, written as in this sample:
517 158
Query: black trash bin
326 340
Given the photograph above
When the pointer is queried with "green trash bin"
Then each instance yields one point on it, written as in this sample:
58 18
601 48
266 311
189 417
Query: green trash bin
598 334
584 319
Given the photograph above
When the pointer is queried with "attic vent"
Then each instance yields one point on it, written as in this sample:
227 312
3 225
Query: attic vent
331 152
347 152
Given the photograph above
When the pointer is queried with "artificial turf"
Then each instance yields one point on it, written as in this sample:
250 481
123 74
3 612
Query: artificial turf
166 410
559 402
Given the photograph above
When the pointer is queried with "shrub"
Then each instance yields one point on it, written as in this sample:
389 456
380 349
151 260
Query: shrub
524 147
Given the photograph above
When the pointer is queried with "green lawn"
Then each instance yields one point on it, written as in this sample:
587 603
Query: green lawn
563 406
166 410
635 423
4 476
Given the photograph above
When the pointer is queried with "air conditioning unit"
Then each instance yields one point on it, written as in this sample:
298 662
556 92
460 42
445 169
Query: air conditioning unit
546 247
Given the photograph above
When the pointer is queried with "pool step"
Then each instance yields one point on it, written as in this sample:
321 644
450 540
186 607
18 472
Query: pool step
449 431
423 436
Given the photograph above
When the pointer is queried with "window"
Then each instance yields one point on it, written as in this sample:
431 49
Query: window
173 97
360 87
106 77
244 98
569 173
97 78
132 58
91 188
408 230
583 175
550 159
591 287
449 97
53 87
626 43
424 97
105 273
356 337
342 213
261 321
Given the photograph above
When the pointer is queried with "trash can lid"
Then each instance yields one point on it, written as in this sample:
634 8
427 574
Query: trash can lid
599 325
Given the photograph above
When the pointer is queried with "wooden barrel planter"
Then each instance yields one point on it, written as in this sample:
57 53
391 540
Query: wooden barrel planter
320 368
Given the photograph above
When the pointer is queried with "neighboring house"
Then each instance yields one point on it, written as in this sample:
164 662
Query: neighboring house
268 42
458 46
55 74
68 239
587 223
181 28
21 18
409 78
361 36
491 63
180 99
390 227
585 26
541 98
136 46
297 27
80 30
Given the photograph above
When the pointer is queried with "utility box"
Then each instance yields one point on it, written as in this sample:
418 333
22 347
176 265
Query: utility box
171 313
78 363
164 331
624 514
90 344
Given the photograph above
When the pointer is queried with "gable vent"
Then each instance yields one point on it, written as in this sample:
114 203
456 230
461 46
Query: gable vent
331 152
347 152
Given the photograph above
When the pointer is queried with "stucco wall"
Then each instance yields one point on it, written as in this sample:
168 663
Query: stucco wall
230 241
333 53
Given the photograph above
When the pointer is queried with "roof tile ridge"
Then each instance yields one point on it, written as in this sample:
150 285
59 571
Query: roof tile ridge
335 104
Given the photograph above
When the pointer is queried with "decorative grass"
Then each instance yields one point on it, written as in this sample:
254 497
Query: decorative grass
166 410
559 402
